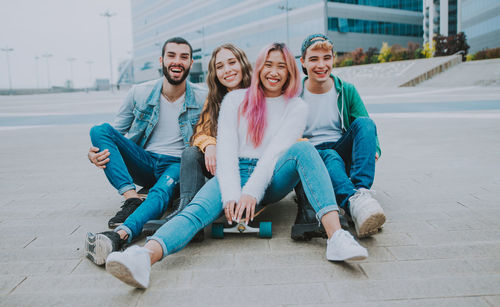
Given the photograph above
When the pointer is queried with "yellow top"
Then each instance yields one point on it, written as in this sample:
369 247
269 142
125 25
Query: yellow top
204 138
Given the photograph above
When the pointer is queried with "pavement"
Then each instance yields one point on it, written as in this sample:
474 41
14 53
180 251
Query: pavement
438 181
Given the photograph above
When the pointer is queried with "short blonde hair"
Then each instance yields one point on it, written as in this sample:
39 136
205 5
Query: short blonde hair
321 45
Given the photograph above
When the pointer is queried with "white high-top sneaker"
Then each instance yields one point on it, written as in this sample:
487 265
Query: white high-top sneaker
366 212
132 266
342 246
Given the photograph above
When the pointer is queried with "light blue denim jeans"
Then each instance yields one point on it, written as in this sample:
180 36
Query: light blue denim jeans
300 162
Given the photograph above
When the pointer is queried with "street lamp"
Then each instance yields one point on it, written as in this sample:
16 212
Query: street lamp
37 73
202 32
71 60
90 73
286 9
108 16
7 50
47 56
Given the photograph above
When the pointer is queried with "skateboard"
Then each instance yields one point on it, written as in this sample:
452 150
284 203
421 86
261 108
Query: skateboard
264 229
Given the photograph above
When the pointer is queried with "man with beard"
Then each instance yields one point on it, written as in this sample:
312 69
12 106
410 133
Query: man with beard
157 118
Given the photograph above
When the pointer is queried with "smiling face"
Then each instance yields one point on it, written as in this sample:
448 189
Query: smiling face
274 74
228 69
176 62
319 64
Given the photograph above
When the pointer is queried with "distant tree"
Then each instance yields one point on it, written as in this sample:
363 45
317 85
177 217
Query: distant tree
429 49
398 53
412 48
441 45
358 56
419 53
448 45
369 54
346 62
385 53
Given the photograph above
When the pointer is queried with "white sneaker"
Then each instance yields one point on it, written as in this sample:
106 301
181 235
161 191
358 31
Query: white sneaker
132 266
342 246
366 212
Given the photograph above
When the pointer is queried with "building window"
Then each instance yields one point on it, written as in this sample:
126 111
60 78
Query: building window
345 25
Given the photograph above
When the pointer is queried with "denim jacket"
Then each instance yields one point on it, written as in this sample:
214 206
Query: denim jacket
139 113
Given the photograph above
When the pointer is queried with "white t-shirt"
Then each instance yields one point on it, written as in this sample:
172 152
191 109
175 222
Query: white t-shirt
323 121
166 138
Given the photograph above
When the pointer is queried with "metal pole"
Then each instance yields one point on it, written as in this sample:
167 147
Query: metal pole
47 56
71 60
108 16
37 72
90 74
7 50
287 29
202 32
286 9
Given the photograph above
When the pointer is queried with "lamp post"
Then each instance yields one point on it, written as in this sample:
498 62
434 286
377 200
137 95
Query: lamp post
71 60
37 72
286 9
90 73
202 32
107 14
47 56
7 50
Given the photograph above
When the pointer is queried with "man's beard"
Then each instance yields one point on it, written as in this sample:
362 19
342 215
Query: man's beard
170 80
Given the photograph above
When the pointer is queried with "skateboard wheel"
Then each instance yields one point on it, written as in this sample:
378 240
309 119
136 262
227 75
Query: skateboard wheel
265 230
217 230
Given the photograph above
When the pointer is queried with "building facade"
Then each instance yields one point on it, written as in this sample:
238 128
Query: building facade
441 17
251 24
480 21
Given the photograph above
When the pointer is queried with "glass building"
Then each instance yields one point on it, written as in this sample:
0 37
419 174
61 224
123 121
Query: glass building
251 24
441 17
480 20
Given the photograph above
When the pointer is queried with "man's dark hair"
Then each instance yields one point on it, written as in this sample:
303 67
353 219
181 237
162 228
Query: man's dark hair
180 41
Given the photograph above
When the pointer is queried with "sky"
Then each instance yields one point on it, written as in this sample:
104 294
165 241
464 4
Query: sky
65 29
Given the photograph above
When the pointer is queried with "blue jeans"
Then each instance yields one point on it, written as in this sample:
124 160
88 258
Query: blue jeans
300 162
129 164
351 160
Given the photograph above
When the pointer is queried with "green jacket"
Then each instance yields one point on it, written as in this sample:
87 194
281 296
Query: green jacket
350 104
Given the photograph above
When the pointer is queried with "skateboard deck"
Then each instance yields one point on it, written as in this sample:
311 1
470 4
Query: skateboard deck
264 229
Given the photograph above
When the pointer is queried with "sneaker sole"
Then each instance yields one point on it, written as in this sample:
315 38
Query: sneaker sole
121 272
371 226
305 232
354 258
97 248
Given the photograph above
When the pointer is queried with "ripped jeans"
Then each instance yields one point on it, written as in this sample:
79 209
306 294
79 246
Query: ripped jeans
129 164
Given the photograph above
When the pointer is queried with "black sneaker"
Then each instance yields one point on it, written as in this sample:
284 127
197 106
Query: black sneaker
99 245
128 208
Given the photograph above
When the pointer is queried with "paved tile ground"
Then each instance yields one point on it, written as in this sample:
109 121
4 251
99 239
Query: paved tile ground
438 181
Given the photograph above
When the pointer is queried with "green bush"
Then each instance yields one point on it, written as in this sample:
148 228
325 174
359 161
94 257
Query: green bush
374 59
347 62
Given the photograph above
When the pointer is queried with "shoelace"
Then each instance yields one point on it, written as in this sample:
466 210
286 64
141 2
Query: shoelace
362 193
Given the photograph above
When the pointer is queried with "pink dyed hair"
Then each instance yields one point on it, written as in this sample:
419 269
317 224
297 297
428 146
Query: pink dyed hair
254 103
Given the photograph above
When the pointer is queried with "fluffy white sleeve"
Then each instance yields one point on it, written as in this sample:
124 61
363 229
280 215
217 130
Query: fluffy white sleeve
293 125
227 172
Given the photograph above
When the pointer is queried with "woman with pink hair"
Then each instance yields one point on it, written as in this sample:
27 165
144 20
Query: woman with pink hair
259 162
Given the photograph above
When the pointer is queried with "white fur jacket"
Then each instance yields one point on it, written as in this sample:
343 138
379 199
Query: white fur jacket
286 120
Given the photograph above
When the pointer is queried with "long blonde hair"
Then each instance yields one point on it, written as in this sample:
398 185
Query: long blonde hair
217 91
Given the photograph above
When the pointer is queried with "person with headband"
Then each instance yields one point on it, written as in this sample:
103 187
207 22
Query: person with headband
339 127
